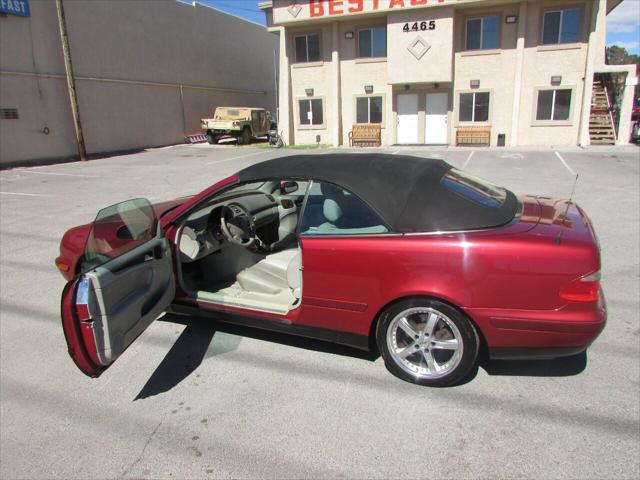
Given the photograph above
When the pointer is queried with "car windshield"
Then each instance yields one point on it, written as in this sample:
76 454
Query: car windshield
473 188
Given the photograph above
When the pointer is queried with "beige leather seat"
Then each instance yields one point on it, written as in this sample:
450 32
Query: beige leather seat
275 273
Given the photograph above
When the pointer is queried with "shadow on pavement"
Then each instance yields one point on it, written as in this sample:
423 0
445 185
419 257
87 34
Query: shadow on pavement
185 356
205 337
558 367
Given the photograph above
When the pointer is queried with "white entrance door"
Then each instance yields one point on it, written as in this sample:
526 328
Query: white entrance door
435 121
407 118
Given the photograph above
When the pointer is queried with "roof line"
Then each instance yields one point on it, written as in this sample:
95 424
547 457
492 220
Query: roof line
211 7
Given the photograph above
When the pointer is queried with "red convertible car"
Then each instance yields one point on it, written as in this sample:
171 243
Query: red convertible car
412 257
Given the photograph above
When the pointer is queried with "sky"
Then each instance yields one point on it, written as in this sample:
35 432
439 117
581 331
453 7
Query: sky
623 25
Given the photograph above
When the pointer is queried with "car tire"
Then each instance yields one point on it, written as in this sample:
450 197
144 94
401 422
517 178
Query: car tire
211 139
245 137
427 342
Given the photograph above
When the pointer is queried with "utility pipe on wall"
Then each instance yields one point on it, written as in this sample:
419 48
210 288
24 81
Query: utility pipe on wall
71 84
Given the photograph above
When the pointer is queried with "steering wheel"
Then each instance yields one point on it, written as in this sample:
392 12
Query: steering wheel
237 225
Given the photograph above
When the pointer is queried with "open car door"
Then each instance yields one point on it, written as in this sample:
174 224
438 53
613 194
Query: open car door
126 281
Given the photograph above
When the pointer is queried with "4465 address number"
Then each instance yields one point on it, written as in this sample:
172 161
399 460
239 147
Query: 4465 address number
419 26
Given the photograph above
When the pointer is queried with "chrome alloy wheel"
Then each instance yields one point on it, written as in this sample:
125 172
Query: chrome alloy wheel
424 342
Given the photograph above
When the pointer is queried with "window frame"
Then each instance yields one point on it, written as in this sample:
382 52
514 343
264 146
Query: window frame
301 126
482 18
554 8
294 36
553 123
303 209
459 93
384 110
371 28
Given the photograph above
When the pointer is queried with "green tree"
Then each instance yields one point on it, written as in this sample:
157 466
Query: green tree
619 56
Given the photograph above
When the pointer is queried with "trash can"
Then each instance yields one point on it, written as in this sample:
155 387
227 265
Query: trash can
501 139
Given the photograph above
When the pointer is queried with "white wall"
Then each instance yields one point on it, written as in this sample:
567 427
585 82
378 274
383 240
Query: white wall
154 46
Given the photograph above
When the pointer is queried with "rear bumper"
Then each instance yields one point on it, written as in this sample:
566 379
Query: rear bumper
541 334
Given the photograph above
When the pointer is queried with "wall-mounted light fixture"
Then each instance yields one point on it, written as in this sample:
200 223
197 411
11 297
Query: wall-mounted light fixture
309 92
474 83
407 87
511 19
556 80
436 85
368 89
348 35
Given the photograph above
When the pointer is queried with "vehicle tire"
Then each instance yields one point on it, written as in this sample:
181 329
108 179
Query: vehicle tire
428 342
245 137
211 139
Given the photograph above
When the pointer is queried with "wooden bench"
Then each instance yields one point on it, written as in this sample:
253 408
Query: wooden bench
365 135
473 136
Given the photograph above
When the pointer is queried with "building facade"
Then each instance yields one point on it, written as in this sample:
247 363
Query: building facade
145 74
425 69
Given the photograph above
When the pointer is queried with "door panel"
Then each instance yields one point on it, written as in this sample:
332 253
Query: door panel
436 118
127 294
126 282
407 128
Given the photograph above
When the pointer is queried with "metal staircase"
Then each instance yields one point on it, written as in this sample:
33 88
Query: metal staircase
601 127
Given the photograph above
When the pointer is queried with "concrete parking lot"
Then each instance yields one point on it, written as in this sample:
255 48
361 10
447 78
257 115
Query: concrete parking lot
189 401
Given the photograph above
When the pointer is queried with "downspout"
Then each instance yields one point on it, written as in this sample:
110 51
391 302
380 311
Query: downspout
71 83
517 89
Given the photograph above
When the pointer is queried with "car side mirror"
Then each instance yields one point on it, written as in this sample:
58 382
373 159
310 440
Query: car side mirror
288 187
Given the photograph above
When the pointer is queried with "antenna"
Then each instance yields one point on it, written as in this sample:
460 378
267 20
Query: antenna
558 238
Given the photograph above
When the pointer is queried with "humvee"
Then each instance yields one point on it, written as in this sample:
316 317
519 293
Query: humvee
241 123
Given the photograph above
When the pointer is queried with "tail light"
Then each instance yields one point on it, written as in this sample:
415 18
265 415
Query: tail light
583 289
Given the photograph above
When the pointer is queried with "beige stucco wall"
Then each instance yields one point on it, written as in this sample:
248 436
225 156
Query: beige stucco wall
513 73
316 75
494 68
436 64
358 72
540 63
154 47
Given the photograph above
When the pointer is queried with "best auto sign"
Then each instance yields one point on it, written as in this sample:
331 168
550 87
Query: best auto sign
299 10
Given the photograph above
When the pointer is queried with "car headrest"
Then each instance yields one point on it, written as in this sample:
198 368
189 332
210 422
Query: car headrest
330 191
331 210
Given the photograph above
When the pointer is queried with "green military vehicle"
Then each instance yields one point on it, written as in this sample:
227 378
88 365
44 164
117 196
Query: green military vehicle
241 123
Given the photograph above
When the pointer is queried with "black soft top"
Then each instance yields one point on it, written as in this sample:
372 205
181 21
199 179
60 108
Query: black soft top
405 191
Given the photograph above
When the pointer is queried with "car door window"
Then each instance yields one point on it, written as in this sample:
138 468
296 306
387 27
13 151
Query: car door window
118 229
333 210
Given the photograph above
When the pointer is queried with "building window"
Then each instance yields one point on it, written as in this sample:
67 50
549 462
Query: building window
369 110
561 26
9 114
308 48
372 42
474 107
311 112
483 33
554 104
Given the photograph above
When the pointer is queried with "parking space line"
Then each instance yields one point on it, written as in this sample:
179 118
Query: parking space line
468 160
235 158
25 170
26 194
566 165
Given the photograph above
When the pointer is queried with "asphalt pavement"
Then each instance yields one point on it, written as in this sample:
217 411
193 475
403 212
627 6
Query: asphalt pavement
188 400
